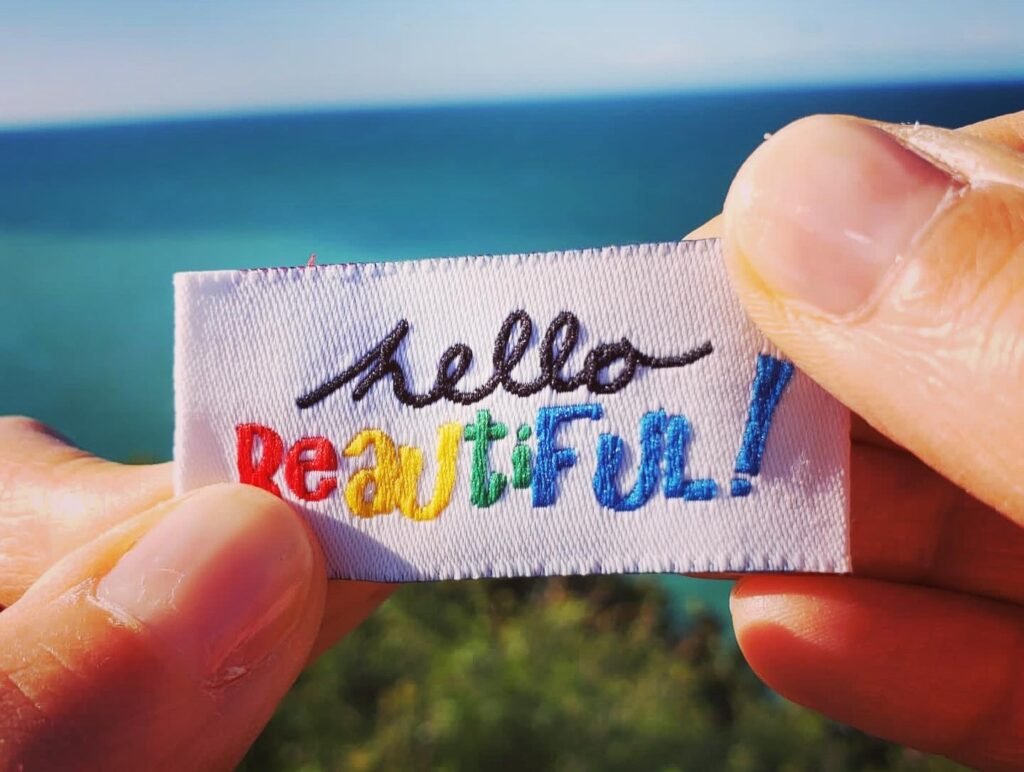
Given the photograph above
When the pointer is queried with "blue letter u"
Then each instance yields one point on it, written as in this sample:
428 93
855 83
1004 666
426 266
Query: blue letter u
610 451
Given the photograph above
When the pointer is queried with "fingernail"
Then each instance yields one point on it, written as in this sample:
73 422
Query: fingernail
824 209
219 581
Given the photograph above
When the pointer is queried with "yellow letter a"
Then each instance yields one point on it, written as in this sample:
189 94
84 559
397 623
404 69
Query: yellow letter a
384 475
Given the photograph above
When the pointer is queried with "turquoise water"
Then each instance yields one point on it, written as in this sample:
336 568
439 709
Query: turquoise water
94 220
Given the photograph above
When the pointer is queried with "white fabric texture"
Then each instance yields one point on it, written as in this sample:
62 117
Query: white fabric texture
250 343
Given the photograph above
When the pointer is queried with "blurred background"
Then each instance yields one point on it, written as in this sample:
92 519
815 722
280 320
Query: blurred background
140 139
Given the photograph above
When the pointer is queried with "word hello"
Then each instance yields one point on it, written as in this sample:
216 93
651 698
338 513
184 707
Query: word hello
510 346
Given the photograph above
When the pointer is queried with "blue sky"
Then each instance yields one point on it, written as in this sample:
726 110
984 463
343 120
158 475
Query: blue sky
70 60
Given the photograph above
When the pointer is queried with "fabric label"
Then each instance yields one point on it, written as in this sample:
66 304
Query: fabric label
594 411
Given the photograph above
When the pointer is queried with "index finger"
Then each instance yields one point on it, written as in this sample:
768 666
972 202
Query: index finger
55 497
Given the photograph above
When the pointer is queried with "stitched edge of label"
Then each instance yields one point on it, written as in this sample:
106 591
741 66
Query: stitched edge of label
361 549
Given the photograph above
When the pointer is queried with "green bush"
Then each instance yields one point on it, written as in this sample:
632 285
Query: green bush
566 674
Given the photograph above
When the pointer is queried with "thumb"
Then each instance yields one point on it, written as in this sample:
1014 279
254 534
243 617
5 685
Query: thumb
166 642
888 262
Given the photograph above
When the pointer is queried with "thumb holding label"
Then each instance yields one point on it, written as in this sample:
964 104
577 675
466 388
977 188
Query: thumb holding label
164 643
888 263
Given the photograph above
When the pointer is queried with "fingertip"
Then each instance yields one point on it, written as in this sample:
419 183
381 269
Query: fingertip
823 209
18 426
712 229
768 614
764 595
279 513
228 577
263 510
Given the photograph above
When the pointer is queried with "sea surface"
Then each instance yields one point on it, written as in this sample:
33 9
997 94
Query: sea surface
94 220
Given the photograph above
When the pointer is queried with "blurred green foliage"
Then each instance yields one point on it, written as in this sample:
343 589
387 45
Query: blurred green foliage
565 674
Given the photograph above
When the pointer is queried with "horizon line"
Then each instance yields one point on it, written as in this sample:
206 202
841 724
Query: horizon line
266 111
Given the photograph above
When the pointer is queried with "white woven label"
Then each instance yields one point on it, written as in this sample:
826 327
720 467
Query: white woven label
598 411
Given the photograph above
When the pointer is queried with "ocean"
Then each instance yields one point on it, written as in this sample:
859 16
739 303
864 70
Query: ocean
95 219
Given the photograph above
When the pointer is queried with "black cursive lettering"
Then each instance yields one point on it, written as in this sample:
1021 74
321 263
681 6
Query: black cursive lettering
510 346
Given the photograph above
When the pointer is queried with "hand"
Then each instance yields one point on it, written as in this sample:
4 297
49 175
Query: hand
143 631
888 262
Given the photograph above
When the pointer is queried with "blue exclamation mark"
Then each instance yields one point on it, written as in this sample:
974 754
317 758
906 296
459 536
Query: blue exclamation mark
770 381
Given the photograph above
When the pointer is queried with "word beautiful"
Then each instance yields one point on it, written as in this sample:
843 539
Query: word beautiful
392 482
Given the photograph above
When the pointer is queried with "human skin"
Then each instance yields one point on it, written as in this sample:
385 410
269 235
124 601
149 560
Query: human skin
122 653
888 262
